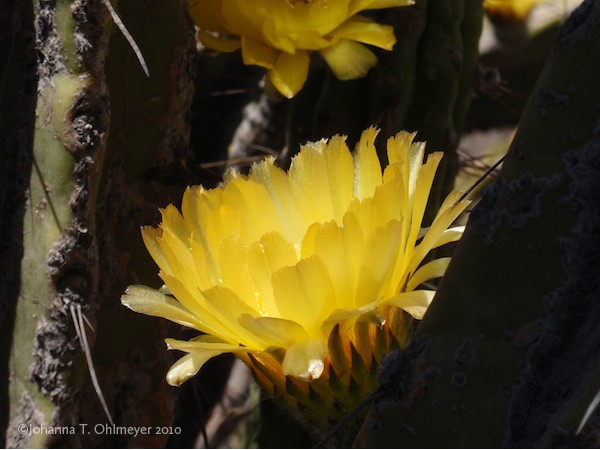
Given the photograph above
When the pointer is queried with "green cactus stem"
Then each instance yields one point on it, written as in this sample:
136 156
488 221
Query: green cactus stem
88 185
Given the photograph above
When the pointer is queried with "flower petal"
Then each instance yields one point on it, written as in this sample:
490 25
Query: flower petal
188 366
349 59
222 44
366 31
341 248
451 208
259 216
367 168
322 176
197 305
305 359
375 275
203 342
149 301
257 53
198 353
279 186
275 331
429 271
340 171
346 318
304 293
235 272
415 302
227 307
294 18
420 188
242 18
151 237
289 72
450 235
510 10
360 5
265 257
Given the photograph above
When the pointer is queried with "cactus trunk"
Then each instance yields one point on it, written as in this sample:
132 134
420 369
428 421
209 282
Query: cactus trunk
85 201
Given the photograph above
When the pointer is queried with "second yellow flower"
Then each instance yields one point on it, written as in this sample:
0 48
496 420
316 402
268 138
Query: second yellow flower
280 34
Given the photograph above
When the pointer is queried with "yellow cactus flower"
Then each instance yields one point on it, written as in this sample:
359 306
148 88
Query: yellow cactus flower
280 34
510 10
307 276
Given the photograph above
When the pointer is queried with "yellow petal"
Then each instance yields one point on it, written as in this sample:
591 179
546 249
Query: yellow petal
259 213
342 249
177 254
235 272
305 359
277 332
429 271
515 10
422 177
201 343
375 274
449 211
149 301
349 59
242 18
340 175
309 179
207 271
367 168
227 307
289 72
415 302
257 53
293 18
151 237
346 318
385 205
218 226
222 44
277 36
368 32
172 221
188 366
450 235
197 305
399 148
304 293
278 185
265 257
380 4
199 352
208 221
360 5
313 40
322 176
